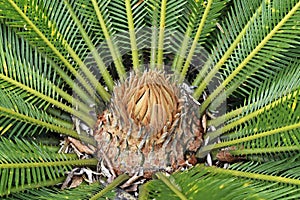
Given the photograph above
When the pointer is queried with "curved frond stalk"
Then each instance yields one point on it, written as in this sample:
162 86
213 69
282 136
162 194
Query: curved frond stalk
248 138
83 191
260 128
14 107
195 42
68 109
12 114
81 162
250 116
27 165
233 74
171 185
16 190
257 176
105 74
262 151
134 49
20 72
104 94
83 108
217 183
9 113
269 91
160 45
120 179
226 117
114 51
221 62
271 106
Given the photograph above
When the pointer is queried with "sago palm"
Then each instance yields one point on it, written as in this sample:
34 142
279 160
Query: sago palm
170 99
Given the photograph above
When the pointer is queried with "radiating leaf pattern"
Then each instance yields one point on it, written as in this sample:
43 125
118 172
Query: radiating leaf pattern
238 61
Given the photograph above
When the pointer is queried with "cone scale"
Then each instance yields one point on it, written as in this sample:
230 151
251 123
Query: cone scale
151 125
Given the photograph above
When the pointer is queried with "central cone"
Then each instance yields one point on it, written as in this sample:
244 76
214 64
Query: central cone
145 127
153 101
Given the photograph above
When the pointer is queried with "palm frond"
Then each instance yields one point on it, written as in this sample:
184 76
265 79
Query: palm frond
62 61
81 192
218 183
273 53
51 42
245 12
14 108
127 20
270 121
33 79
106 76
265 49
22 118
27 165
165 19
31 72
209 8
100 29
192 25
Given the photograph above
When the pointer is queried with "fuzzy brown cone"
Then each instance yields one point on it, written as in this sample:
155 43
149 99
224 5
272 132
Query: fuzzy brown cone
150 125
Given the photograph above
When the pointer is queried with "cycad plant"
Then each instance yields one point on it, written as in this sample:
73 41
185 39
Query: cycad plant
170 99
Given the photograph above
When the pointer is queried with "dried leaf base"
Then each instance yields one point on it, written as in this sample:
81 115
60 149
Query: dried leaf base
151 125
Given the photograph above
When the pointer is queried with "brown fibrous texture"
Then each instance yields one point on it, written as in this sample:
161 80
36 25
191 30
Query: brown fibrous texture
150 125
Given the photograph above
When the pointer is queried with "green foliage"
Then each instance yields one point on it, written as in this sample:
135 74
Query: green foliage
82 192
232 183
59 60
24 165
18 114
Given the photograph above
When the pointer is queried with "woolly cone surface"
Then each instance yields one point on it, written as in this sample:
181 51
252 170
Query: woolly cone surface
150 125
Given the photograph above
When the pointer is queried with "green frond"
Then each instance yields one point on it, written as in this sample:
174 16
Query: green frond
277 127
32 72
51 42
81 192
96 22
218 183
272 54
245 12
194 13
285 170
59 63
285 81
195 42
270 119
165 19
119 180
27 165
106 76
9 82
26 69
262 48
22 118
127 19
13 107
